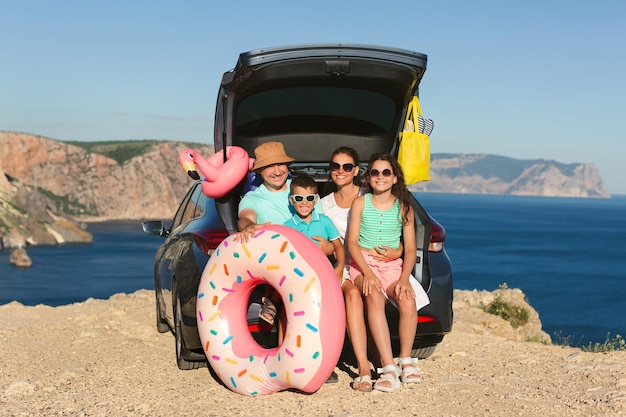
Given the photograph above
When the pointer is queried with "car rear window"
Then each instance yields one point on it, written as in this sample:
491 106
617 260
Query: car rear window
313 109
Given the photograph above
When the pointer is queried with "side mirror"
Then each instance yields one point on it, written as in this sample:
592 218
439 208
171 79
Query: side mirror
154 228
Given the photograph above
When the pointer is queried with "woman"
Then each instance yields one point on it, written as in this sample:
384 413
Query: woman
346 181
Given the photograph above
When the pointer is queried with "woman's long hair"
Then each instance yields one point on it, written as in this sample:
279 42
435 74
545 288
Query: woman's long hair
399 189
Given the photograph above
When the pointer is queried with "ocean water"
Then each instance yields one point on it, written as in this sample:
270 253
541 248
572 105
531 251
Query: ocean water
567 255
121 259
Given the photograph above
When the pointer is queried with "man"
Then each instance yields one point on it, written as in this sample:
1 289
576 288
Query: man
269 203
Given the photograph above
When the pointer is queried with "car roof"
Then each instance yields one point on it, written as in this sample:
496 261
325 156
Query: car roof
314 98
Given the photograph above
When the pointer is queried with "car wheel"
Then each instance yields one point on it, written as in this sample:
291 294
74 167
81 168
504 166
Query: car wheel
182 363
162 326
423 352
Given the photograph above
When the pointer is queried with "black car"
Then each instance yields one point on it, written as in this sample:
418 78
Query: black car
311 98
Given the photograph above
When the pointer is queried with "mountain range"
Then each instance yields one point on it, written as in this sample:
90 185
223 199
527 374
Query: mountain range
51 189
492 174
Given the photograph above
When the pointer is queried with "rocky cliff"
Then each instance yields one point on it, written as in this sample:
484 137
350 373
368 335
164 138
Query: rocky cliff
49 187
491 174
29 216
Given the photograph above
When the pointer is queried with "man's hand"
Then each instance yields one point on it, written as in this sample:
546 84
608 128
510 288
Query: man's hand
249 232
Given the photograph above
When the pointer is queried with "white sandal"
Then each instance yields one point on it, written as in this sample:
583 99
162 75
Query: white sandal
384 376
409 373
362 383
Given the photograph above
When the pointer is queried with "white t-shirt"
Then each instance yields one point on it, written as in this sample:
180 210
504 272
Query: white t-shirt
338 215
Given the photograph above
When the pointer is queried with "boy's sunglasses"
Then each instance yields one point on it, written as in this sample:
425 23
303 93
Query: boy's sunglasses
386 172
334 166
299 198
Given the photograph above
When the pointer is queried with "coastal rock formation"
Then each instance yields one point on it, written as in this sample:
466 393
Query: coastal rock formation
491 174
94 187
514 297
29 216
49 187
20 258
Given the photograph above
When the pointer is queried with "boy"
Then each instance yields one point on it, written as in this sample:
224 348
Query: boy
303 197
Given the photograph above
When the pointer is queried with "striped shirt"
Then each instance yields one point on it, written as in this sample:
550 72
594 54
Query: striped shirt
380 227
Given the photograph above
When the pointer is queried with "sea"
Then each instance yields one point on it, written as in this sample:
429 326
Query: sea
566 254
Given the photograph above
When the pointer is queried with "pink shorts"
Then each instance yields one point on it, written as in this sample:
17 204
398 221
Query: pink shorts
387 271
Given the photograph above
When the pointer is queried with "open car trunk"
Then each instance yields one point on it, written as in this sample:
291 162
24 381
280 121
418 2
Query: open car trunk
318 97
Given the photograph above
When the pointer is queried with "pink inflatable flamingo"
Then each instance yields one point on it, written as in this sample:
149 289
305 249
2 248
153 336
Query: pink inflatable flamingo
219 176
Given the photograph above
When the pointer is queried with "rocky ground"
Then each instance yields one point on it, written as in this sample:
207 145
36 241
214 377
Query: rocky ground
105 358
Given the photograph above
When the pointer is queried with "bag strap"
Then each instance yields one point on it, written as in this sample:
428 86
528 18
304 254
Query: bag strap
417 109
413 112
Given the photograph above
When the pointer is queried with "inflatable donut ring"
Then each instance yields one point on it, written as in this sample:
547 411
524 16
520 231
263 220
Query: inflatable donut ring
301 274
219 176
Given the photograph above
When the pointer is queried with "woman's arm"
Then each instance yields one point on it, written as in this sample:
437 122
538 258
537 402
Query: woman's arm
387 253
340 258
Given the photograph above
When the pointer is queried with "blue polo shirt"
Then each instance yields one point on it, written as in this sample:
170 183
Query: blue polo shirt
320 225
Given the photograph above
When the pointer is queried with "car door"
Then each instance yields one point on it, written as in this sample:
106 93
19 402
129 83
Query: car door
175 249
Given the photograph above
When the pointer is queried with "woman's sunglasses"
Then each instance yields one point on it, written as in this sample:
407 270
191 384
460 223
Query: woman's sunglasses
386 172
334 166
298 198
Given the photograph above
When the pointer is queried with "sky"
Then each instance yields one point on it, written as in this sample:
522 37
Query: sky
534 79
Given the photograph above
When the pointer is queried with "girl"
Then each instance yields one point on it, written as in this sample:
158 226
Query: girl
377 220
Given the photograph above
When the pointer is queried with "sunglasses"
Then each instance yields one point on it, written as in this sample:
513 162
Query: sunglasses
299 198
386 172
334 166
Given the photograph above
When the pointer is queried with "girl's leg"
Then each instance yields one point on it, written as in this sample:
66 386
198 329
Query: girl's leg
355 320
407 327
379 329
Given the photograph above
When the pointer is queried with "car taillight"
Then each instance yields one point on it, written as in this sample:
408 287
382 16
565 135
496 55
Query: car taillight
437 237
425 319
212 239
259 327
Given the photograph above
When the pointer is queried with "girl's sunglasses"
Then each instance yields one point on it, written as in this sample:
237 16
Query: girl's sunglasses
386 172
334 166
299 198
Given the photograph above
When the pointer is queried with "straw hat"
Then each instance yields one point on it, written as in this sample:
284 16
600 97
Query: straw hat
270 153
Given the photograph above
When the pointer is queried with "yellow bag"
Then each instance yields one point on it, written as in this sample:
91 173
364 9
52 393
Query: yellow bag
414 152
